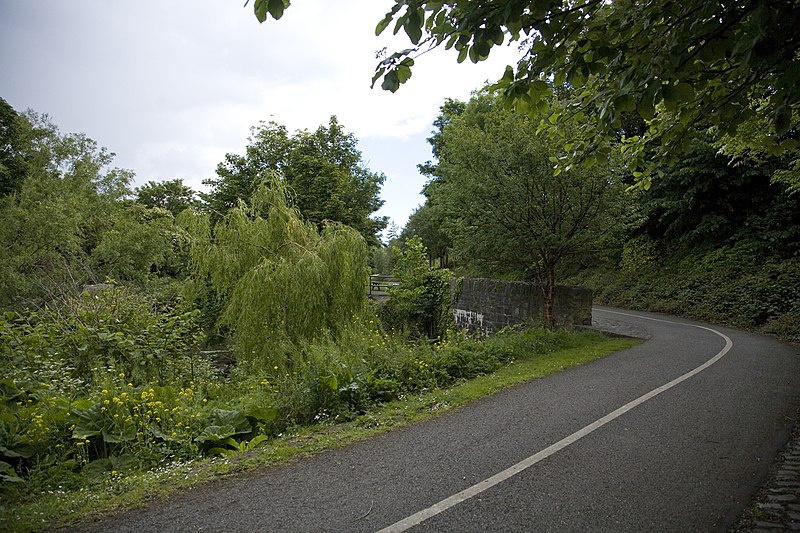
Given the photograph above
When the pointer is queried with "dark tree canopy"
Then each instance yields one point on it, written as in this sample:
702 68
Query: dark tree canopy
705 201
675 64
323 169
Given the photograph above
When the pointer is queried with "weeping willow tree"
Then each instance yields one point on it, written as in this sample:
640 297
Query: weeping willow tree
282 281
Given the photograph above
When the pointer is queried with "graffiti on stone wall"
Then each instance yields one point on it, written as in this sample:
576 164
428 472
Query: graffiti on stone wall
489 305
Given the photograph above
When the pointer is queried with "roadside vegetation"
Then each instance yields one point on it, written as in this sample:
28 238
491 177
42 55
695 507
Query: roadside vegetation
715 239
94 450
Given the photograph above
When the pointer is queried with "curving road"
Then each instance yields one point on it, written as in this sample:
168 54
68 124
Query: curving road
672 435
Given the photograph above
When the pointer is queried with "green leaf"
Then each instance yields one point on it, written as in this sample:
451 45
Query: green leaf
276 8
482 48
263 414
119 433
17 450
83 432
378 73
413 26
232 418
390 82
215 433
646 108
496 36
8 474
260 9
624 102
383 24
255 441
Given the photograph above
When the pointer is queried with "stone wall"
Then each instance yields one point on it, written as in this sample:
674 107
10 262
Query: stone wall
490 305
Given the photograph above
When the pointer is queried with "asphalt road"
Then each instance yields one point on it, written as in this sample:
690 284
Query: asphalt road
596 448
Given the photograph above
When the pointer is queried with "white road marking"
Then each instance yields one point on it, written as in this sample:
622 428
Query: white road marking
498 478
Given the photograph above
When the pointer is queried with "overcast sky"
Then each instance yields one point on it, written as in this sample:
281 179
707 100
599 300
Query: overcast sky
171 86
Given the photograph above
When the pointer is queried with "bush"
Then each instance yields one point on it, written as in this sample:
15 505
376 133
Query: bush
421 305
734 284
103 334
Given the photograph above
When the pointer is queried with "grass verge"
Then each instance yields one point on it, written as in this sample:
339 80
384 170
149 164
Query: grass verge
61 509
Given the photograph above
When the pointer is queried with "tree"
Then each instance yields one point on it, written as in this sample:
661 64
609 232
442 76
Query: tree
281 281
63 201
511 216
429 223
15 136
171 195
139 245
323 169
675 64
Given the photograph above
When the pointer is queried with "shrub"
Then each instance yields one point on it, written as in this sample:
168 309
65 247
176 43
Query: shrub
421 304
102 334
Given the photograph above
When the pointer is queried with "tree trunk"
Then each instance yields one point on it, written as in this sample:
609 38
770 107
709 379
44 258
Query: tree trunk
549 294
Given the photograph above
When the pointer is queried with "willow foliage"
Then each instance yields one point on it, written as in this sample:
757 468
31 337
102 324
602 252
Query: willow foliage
281 280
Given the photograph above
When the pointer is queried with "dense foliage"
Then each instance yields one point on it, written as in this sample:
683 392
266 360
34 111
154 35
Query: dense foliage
66 223
125 389
171 195
109 295
712 239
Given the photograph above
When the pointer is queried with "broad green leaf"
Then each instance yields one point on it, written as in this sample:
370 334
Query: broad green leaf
119 433
255 441
390 82
260 9
276 8
8 474
482 48
377 75
646 108
403 73
263 414
383 24
624 102
17 450
413 26
216 433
